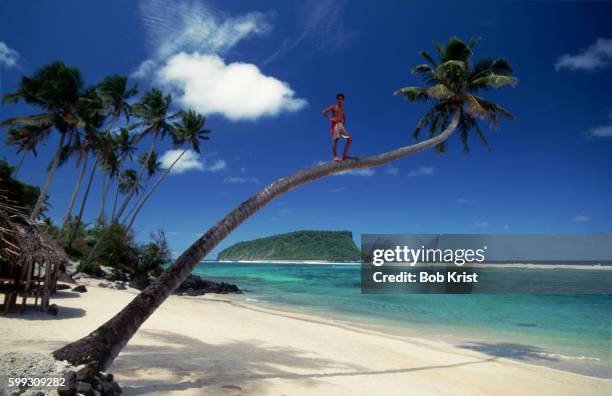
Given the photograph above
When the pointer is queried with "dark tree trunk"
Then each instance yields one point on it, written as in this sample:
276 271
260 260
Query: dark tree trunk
117 216
104 344
77 223
140 204
18 167
52 169
75 190
106 182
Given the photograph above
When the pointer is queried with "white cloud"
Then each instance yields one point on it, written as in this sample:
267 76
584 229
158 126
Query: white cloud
186 26
240 180
238 91
581 218
8 56
147 69
597 56
189 39
392 170
482 224
422 171
318 20
465 201
601 131
216 166
189 161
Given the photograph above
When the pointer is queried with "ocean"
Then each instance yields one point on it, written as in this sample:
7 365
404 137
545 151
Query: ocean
567 332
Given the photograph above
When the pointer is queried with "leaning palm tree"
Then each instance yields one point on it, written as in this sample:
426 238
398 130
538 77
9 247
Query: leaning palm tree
150 165
116 94
453 79
91 110
122 150
81 151
55 89
187 133
154 111
25 138
128 181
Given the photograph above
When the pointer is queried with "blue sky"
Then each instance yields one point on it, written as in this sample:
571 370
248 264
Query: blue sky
262 72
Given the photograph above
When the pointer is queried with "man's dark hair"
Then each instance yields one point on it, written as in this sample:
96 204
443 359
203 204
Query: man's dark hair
339 95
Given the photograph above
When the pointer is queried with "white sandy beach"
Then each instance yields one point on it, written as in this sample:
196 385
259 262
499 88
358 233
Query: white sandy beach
211 345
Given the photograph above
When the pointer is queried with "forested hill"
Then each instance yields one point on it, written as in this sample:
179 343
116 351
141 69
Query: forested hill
333 246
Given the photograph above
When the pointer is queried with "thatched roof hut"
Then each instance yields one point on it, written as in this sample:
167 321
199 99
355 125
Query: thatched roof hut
29 260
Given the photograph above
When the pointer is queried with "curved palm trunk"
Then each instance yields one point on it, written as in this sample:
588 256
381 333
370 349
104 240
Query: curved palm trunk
75 190
157 183
102 345
50 174
77 223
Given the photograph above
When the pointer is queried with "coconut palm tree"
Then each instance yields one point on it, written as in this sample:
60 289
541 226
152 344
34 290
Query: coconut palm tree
82 151
150 165
25 138
124 150
154 112
452 79
92 111
187 133
153 109
55 89
115 94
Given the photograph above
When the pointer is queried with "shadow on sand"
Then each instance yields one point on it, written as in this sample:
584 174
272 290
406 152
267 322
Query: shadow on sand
232 366
33 313
510 350
61 294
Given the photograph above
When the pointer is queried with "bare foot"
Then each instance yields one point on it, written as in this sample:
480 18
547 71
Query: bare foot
336 159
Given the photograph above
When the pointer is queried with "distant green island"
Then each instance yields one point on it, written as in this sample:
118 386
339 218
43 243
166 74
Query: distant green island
332 246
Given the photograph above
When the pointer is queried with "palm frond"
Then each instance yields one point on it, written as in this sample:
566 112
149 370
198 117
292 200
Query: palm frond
440 91
414 94
38 120
491 80
429 58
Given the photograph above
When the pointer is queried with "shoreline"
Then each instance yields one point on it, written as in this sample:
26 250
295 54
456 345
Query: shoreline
382 330
401 331
601 267
289 262
203 345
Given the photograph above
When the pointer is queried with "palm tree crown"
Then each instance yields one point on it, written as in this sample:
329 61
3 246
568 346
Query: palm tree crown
153 110
115 92
190 130
453 81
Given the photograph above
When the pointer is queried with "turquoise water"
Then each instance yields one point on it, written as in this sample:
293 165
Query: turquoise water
569 332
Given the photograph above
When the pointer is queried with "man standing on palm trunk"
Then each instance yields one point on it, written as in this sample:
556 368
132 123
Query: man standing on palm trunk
337 120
